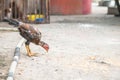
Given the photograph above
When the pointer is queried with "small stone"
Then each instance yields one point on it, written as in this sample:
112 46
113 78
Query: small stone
2 74
56 69
33 59
19 73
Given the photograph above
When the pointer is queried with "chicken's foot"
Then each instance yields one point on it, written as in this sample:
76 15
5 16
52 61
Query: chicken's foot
29 51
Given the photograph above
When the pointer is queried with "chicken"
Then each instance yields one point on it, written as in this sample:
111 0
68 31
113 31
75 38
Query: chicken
31 34
118 7
16 9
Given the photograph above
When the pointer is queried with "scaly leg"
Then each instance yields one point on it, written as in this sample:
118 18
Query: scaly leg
28 50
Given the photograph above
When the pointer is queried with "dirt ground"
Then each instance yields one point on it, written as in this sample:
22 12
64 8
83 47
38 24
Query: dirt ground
7 45
82 47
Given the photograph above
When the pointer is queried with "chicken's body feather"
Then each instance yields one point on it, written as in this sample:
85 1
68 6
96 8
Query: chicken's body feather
30 33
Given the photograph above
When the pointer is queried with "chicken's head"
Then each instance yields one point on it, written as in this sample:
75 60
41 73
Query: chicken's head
46 47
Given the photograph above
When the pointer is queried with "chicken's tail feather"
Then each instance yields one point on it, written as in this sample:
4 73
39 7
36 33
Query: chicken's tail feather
14 22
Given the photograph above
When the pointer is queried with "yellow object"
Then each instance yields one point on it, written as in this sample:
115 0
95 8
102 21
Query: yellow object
33 17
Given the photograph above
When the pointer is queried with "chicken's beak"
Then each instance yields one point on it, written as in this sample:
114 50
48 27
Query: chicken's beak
47 51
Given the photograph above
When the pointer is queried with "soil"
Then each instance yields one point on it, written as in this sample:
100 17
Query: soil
82 47
7 46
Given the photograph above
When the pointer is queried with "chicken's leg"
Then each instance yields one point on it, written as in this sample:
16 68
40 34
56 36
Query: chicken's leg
28 50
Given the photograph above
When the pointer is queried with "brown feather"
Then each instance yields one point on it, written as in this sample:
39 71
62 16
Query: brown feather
30 33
